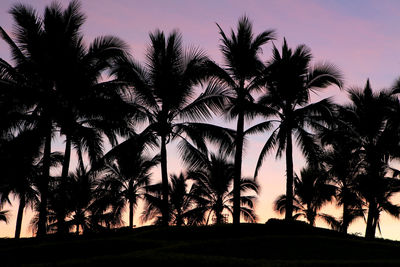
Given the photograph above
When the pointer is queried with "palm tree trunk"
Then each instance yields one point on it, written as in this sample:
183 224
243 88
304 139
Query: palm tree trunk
64 174
310 214
179 219
44 184
345 216
218 211
208 217
130 214
238 168
80 156
67 158
19 216
164 177
374 225
370 231
289 176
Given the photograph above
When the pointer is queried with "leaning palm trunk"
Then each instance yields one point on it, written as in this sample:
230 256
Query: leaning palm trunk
21 208
44 184
238 168
289 177
164 177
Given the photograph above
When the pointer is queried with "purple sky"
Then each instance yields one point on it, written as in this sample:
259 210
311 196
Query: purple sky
361 37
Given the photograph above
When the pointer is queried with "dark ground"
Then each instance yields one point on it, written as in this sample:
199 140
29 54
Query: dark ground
276 243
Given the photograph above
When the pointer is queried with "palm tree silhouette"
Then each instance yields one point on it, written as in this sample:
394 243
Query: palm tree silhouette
88 106
343 162
165 87
373 121
86 209
51 46
213 192
243 68
21 170
311 191
181 202
63 77
290 78
33 88
126 172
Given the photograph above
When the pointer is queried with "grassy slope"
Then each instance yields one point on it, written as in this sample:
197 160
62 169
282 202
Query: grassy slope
273 244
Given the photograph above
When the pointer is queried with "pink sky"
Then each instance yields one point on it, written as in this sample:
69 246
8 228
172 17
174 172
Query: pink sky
360 37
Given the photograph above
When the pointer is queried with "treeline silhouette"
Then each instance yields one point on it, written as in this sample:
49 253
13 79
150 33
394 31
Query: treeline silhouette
90 94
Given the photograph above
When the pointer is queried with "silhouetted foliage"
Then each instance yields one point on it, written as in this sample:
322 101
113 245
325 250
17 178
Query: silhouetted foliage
95 94
241 76
180 202
126 172
290 78
311 191
213 190
165 87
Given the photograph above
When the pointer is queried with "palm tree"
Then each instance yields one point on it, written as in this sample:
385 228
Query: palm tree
373 120
88 105
241 73
63 77
165 87
213 191
290 78
21 170
311 191
82 187
86 210
127 172
180 200
30 85
343 162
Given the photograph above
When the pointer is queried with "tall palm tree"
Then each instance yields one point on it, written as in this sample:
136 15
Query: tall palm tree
64 77
88 107
373 120
165 87
213 190
311 191
29 82
241 75
290 78
181 202
127 172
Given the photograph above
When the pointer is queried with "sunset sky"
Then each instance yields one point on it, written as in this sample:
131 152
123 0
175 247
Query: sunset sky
361 37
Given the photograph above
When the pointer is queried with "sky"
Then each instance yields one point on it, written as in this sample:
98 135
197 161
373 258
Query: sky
360 37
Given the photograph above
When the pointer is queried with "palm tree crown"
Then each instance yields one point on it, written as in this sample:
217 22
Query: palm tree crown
290 78
165 87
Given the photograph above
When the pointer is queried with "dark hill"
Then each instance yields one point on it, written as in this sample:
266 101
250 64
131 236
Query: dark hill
276 243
